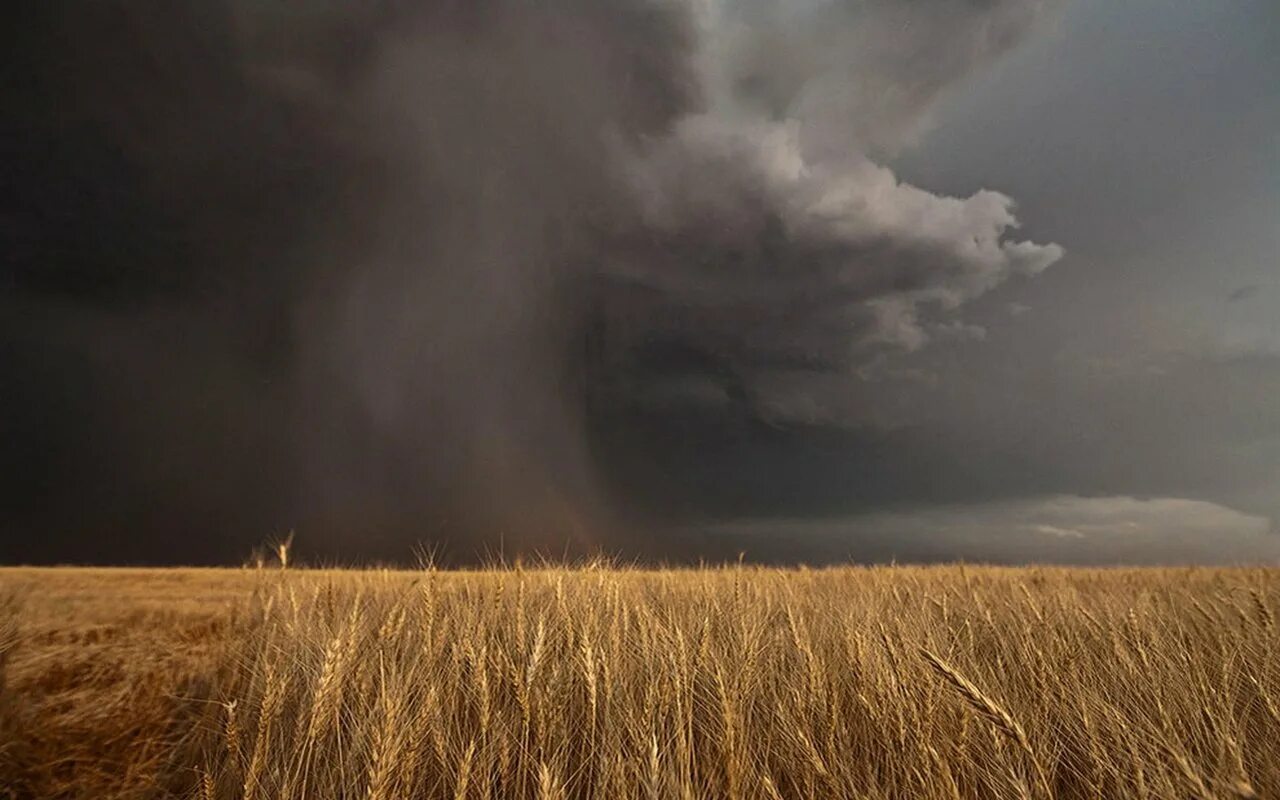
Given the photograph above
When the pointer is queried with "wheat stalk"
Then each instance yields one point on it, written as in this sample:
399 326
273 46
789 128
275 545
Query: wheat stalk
979 701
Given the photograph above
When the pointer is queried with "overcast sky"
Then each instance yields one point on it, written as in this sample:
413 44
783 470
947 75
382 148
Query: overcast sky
812 280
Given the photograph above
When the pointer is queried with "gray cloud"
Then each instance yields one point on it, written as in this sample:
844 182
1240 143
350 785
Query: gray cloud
769 236
1057 529
855 75
1244 293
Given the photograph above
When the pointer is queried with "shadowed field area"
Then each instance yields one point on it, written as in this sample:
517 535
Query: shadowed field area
603 683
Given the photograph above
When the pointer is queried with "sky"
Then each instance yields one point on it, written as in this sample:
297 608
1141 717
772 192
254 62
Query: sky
813 281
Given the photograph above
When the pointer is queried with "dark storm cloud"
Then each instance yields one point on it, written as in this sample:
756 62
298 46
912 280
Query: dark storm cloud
309 267
388 273
771 245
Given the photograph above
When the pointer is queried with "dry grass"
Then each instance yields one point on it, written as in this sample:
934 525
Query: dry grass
948 682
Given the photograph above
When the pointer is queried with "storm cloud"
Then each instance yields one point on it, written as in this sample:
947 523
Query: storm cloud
493 274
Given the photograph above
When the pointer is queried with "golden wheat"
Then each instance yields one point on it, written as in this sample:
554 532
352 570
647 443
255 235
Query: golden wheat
947 682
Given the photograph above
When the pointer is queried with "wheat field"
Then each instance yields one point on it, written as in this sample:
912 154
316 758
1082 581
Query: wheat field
600 682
